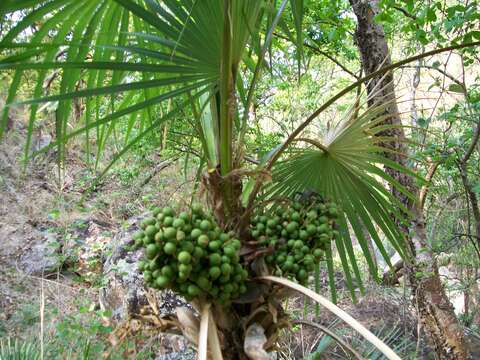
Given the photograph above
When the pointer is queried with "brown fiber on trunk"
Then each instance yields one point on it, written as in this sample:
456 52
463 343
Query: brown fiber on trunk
434 307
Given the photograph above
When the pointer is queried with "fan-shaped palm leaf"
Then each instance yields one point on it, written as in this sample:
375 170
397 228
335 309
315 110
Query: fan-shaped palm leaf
347 168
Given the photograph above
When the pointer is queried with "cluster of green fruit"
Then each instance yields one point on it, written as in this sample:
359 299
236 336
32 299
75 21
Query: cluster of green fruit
189 254
297 236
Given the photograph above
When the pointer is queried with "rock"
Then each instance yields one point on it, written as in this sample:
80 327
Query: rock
125 293
188 354
85 244
41 258
175 347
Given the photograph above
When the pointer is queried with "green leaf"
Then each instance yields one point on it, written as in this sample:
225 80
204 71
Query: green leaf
456 88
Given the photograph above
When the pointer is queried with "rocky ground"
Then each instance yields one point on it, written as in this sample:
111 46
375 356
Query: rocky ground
59 257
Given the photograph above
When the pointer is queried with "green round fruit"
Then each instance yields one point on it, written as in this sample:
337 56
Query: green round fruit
205 225
318 253
198 252
236 244
178 223
138 235
151 251
302 274
214 272
195 233
292 226
229 251
141 265
224 237
228 288
167 271
323 219
147 276
272 223
224 279
193 290
226 269
244 274
311 229
214 245
180 235
312 215
162 281
170 248
260 227
303 235
308 259
298 244
170 233
168 221
147 240
153 265
187 246
168 211
185 268
215 259
203 283
150 231
322 229
138 243
184 216
295 216
182 277
333 212
156 210
184 257
197 208
203 240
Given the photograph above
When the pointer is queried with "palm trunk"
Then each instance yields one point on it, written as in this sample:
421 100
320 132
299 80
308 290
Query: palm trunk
434 307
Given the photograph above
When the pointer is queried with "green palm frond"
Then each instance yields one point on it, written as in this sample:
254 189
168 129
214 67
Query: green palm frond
127 58
347 166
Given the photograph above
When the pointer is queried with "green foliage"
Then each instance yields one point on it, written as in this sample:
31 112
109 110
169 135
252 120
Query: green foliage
14 349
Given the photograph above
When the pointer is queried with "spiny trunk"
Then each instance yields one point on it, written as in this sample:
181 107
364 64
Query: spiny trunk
434 307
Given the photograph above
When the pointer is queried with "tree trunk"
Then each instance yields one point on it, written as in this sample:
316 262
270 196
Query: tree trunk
434 307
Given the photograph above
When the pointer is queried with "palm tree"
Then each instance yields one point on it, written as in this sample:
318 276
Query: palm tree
132 60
